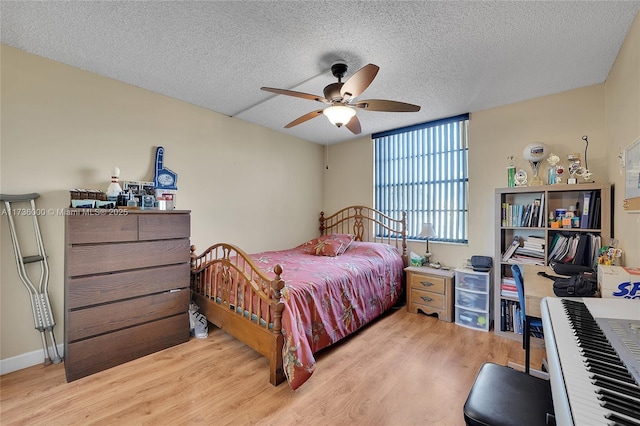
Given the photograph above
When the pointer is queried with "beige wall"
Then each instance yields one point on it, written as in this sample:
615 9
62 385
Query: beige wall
622 100
349 175
64 128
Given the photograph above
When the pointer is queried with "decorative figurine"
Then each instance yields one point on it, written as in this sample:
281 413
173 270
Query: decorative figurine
165 181
114 188
534 153
164 178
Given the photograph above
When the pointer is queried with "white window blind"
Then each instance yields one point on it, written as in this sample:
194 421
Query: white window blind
422 170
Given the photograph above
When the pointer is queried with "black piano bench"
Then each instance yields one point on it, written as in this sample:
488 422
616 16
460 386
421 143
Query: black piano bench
502 396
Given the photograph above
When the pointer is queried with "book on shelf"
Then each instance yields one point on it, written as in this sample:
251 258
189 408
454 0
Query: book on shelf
526 215
507 293
526 260
533 240
503 215
508 281
511 249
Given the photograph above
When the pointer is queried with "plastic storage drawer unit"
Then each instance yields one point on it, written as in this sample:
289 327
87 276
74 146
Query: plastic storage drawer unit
473 299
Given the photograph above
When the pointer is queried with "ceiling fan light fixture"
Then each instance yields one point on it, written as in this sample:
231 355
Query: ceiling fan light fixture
339 115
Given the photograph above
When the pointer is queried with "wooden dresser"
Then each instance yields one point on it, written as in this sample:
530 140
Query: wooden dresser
430 290
126 286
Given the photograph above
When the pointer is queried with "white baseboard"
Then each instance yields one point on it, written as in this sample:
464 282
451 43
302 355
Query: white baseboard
29 359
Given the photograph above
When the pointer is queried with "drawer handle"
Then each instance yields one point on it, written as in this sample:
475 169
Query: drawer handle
426 283
426 299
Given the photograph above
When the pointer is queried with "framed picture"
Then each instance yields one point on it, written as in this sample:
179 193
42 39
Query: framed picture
632 177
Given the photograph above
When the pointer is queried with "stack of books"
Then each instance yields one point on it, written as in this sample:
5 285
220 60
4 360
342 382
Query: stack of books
508 287
528 250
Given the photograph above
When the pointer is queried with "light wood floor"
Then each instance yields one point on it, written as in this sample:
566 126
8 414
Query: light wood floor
405 369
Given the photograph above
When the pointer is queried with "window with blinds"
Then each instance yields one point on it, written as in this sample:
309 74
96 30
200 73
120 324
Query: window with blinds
422 170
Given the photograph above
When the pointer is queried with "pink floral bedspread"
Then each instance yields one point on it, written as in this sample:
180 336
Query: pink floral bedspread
328 298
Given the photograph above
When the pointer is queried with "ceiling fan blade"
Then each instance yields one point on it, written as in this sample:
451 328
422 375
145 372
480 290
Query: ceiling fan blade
304 118
296 94
358 82
384 105
354 125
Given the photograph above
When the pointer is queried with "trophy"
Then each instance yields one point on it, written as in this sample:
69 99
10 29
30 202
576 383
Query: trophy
575 168
552 160
511 173
520 178
534 153
559 171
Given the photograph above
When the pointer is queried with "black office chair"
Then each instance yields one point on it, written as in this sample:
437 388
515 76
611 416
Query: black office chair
502 396
527 322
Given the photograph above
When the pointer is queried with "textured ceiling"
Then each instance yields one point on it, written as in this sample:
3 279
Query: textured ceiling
448 57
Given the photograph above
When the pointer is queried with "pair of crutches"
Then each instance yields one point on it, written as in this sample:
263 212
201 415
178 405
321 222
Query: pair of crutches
41 306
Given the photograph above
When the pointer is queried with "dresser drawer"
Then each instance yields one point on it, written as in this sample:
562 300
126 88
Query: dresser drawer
429 283
164 226
428 298
87 229
98 289
100 258
98 353
127 313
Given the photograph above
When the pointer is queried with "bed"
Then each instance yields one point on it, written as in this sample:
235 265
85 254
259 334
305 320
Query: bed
289 304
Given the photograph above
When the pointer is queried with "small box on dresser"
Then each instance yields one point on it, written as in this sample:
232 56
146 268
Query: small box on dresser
473 299
430 291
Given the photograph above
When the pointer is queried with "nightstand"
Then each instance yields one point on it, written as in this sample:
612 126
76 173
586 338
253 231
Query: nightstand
430 290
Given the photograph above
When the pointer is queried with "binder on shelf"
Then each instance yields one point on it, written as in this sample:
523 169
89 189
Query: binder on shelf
581 250
595 214
586 213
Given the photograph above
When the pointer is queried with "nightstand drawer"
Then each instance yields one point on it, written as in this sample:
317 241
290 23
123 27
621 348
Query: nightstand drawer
427 298
429 283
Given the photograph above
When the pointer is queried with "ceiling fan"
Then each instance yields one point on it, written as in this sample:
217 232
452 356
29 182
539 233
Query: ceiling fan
341 98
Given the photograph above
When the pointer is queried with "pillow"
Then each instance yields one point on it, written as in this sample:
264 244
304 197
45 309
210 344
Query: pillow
345 239
323 246
328 245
